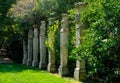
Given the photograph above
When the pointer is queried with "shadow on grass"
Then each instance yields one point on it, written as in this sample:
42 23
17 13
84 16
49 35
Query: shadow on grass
14 68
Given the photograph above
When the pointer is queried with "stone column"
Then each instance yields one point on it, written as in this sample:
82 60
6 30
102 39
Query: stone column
63 70
51 56
80 71
42 64
30 47
25 52
35 47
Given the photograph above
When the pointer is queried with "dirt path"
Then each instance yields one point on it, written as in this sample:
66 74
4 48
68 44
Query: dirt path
3 56
5 60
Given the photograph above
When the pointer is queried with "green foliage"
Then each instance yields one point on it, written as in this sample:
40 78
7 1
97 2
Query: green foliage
50 8
10 32
22 10
72 30
50 42
12 23
6 23
4 7
23 15
45 8
71 45
102 43
53 40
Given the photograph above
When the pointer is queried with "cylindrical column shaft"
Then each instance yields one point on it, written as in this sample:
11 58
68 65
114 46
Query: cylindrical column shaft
35 47
63 70
30 47
25 52
42 64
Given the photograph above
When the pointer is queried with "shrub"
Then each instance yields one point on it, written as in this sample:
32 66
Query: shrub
101 46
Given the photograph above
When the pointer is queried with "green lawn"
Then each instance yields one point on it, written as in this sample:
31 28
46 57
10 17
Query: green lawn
17 73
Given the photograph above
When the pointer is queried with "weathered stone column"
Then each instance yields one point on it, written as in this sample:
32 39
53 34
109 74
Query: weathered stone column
42 64
51 55
25 52
63 70
35 47
80 71
30 47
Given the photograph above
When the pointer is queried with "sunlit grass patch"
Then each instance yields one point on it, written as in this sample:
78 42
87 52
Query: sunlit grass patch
17 73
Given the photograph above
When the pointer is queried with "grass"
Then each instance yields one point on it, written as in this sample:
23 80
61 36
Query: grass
17 73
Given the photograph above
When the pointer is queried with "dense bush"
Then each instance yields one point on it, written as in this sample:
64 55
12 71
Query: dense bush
102 43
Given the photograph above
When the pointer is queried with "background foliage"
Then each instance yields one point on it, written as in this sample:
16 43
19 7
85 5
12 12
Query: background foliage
6 28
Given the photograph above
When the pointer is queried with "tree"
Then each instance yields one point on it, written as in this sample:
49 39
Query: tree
6 28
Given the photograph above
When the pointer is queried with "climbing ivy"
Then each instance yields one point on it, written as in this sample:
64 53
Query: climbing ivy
50 42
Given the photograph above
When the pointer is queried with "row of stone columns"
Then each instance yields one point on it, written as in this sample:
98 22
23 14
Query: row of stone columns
31 56
32 47
36 44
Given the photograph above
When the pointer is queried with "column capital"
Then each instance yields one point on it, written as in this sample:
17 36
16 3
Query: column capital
64 16
30 33
51 21
35 31
42 28
79 6
64 23
35 26
42 24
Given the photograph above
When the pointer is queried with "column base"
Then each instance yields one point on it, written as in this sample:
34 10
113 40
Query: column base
63 71
35 64
80 74
29 62
42 65
51 68
24 61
